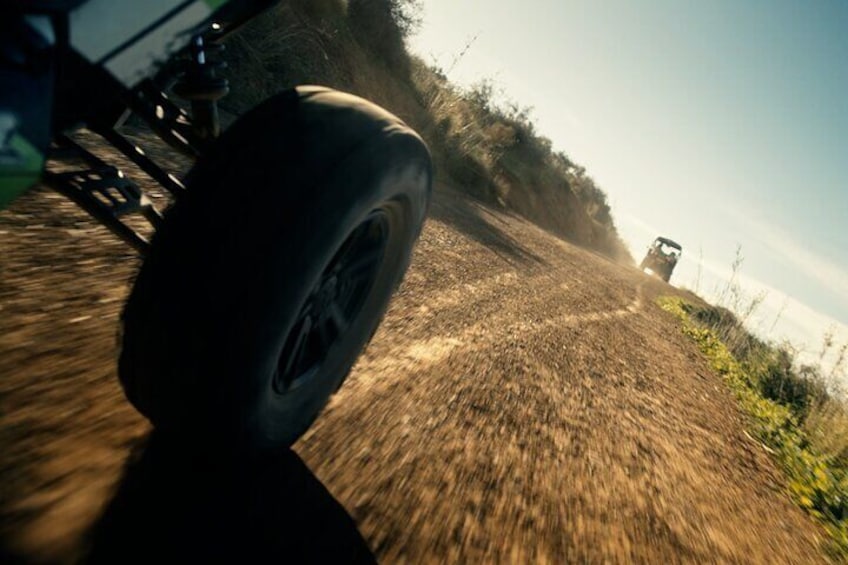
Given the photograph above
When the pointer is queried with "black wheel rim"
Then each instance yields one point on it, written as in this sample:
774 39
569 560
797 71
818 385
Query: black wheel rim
334 303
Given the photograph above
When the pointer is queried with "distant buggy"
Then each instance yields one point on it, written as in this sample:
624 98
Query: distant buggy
662 257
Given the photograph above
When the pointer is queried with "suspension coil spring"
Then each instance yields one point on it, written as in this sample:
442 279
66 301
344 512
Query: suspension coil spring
201 85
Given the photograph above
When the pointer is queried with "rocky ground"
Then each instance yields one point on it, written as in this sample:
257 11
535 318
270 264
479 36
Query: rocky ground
524 401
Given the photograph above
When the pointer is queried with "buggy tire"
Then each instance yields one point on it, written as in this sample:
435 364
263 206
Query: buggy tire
272 273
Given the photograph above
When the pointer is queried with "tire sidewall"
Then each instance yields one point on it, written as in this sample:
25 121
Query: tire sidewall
226 279
384 172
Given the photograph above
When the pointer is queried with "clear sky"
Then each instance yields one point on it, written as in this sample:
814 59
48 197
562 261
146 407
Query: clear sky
717 124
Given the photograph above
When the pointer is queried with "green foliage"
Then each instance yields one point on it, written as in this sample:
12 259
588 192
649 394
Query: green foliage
771 368
778 399
779 381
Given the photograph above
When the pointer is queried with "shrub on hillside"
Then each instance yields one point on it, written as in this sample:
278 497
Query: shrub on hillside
490 150
382 26
495 148
297 42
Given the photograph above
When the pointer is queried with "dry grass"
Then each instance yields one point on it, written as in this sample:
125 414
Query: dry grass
493 148
489 151
791 409
800 410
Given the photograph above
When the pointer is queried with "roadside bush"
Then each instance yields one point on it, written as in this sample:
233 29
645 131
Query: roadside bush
779 380
826 425
771 368
791 411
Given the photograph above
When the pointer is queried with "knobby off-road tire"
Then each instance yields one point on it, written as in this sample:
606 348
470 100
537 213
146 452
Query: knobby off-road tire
271 275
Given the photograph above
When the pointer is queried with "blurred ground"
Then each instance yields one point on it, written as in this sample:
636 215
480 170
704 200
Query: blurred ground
523 401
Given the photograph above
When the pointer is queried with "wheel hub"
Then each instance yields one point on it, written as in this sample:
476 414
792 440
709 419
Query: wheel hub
334 303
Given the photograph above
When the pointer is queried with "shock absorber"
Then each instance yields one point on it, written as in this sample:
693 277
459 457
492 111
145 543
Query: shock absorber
201 85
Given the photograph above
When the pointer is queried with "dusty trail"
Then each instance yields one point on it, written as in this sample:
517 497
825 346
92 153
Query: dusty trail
524 401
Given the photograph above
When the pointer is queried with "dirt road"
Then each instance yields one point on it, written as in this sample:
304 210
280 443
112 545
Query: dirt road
524 401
